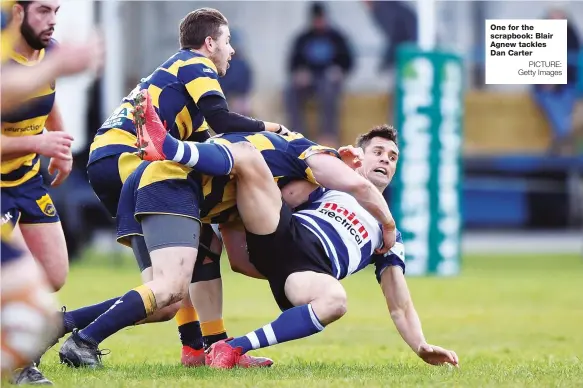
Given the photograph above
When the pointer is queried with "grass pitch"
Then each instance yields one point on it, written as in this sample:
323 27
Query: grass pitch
513 320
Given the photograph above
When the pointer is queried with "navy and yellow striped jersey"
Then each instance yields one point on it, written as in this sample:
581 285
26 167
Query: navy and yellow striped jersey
176 87
28 120
285 156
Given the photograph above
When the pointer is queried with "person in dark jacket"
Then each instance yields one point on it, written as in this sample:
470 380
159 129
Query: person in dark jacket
319 63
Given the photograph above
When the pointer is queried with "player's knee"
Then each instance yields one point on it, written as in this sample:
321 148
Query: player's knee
245 158
338 305
171 291
169 312
57 277
330 307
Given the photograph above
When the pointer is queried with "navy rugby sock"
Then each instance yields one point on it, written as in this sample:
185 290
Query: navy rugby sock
131 308
207 158
83 316
189 327
295 323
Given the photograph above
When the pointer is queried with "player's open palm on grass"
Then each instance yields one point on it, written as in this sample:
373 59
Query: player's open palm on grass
436 355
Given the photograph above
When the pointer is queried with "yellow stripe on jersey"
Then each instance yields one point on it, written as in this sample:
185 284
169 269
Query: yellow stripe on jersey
113 136
184 123
317 150
10 165
260 142
203 61
28 175
6 231
203 127
29 127
173 69
199 86
126 164
155 94
161 171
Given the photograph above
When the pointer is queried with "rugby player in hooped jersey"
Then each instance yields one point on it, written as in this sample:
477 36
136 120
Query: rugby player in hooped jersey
305 254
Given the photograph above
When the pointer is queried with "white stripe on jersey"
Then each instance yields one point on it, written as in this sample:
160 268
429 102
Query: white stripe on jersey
348 228
321 235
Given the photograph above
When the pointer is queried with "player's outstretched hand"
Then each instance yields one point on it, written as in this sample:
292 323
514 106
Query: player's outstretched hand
54 144
77 57
351 156
62 167
436 355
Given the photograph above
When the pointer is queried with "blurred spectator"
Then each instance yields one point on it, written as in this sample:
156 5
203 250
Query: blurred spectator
558 101
399 24
238 81
320 60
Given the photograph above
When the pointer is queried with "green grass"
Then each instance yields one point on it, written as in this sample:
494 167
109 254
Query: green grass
513 320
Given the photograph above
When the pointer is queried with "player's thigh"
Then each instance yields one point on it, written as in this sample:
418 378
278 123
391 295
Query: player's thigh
42 231
46 242
258 197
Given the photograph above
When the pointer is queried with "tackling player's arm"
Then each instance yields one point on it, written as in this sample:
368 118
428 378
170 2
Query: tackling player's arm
55 119
390 273
332 173
61 166
50 144
201 80
20 82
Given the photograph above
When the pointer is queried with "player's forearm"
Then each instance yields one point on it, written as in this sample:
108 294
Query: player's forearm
14 147
373 201
409 327
55 120
19 82
221 120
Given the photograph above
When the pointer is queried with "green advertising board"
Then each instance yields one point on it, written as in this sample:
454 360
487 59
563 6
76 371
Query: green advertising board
426 189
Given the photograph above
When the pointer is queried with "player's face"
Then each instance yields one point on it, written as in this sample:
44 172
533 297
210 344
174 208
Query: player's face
380 161
222 51
39 23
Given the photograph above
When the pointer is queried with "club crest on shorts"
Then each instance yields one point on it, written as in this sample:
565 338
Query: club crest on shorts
45 203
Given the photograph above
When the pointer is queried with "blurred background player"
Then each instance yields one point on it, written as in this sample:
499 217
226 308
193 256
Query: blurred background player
28 312
29 26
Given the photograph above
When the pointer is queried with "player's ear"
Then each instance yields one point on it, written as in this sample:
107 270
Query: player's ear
17 13
210 43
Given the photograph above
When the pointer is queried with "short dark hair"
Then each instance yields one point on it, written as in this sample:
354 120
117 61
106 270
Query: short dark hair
317 10
197 25
24 4
384 131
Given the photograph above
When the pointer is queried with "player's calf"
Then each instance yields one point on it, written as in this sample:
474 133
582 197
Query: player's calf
171 242
319 300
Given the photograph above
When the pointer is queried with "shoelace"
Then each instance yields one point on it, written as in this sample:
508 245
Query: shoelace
94 350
